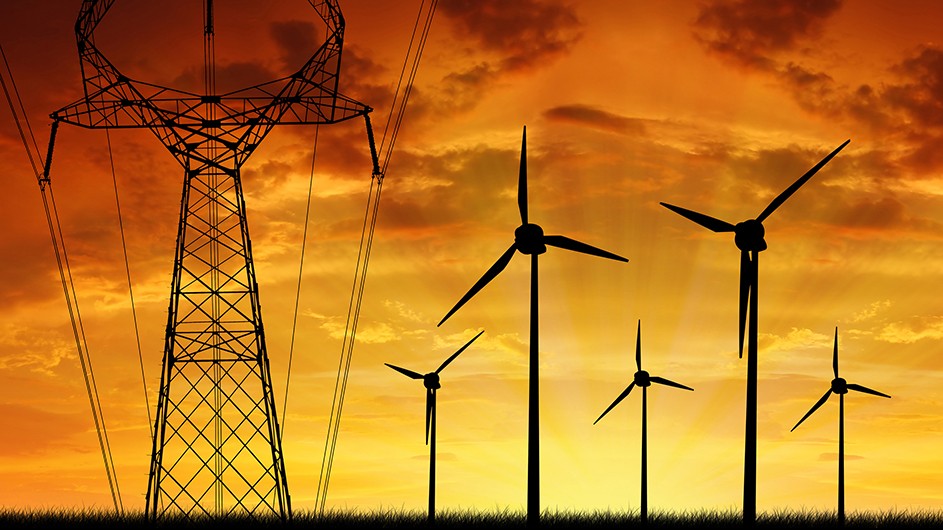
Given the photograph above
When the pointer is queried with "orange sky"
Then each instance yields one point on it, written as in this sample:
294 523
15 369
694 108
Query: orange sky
712 105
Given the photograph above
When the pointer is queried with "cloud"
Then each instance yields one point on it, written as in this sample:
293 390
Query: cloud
921 328
525 33
595 118
229 77
796 339
872 311
770 38
749 34
32 348
296 40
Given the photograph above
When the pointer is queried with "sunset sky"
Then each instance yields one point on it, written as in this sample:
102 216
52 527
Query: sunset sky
713 105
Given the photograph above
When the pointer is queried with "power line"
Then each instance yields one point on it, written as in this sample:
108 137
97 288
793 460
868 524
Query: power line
366 240
65 272
127 270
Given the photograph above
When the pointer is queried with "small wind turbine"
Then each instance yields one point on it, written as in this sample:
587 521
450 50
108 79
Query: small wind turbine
749 238
644 380
840 387
431 382
529 239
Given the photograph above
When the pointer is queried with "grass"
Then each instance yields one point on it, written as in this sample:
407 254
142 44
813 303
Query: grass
398 520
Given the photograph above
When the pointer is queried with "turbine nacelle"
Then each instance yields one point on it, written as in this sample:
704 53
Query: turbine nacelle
529 239
839 386
642 379
431 381
749 236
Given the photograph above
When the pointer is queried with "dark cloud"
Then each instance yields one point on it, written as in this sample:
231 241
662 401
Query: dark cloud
919 95
367 81
749 33
297 41
905 109
524 34
874 212
229 77
593 117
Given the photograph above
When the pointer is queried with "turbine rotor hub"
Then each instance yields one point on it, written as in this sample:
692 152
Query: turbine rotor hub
839 386
431 381
529 239
642 379
749 236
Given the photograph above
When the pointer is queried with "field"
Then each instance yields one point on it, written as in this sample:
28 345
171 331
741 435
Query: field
393 520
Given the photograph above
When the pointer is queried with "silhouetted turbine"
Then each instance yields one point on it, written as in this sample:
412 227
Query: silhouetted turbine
529 239
644 380
431 382
841 387
749 238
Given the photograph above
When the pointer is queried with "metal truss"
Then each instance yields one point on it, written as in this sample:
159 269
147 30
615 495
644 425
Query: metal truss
217 446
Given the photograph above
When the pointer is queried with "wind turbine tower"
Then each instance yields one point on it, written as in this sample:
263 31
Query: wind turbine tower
217 446
643 380
529 239
841 387
750 239
432 384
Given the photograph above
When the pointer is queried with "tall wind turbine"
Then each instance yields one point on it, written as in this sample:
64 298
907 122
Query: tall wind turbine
644 380
749 238
529 239
431 382
841 387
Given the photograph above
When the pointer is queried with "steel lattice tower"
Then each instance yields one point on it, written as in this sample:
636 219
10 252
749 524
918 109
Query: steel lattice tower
217 446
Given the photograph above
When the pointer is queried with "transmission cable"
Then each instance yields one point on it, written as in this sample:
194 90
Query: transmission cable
366 241
127 270
301 266
65 272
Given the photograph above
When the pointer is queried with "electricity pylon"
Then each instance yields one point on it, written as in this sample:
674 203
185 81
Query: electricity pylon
217 445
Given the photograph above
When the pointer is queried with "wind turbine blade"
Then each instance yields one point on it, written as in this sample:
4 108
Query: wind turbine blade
616 402
430 403
814 408
866 390
638 346
781 198
407 373
578 246
835 354
522 180
663 381
708 222
745 273
460 350
483 281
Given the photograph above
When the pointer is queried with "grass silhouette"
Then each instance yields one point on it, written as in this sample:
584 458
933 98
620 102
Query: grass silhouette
394 519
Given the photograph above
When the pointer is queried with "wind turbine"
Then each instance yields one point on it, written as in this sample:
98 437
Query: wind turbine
749 238
840 387
644 380
431 382
529 239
